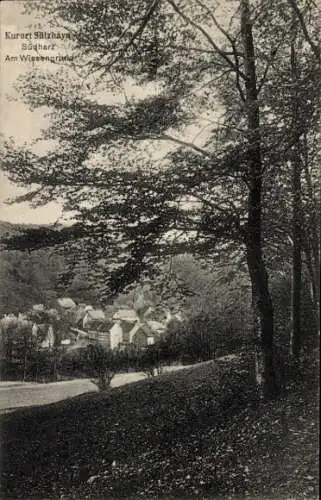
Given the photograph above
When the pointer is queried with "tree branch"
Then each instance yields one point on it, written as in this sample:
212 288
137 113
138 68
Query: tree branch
315 49
210 40
218 26
137 33
267 67
234 52
166 137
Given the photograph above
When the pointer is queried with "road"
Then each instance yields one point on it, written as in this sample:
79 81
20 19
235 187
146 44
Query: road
18 394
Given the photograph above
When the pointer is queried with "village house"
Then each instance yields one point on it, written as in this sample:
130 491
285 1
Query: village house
130 329
42 326
116 329
77 325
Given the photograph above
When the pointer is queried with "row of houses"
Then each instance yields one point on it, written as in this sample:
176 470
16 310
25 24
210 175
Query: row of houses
77 325
119 327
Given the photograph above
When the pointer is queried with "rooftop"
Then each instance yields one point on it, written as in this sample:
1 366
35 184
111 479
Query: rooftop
66 303
96 314
128 315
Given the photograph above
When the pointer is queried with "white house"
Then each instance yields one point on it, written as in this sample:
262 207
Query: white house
49 339
116 335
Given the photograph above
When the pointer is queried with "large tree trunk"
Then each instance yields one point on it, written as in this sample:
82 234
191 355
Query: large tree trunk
296 262
296 209
311 239
314 279
257 270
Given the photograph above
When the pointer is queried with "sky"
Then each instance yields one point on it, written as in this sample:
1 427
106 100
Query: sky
24 125
17 120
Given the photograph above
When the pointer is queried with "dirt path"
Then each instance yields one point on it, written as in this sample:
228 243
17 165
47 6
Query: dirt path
19 394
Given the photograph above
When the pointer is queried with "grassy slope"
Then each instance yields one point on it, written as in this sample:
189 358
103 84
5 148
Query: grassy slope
192 433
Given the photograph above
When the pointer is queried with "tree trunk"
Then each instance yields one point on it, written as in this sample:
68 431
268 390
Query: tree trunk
311 239
25 357
296 209
9 349
314 290
257 270
257 340
54 371
296 262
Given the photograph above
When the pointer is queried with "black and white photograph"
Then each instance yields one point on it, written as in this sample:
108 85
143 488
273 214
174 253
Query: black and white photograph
160 249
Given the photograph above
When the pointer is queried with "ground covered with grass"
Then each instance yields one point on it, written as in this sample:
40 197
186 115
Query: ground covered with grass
200 432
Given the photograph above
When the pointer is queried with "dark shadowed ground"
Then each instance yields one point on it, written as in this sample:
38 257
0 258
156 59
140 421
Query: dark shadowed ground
195 433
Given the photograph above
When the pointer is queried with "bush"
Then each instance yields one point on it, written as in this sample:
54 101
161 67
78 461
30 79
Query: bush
103 364
74 363
43 365
149 360
35 365
202 338
10 370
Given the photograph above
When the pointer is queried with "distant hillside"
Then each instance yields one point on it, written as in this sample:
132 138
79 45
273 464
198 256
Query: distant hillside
7 228
28 278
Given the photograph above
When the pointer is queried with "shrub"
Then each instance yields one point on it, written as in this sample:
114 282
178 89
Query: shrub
201 338
42 366
149 360
103 364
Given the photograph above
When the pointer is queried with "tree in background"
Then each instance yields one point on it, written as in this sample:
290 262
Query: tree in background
292 100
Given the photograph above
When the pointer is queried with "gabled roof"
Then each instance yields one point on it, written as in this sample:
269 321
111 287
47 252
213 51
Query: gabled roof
128 315
66 303
96 315
140 327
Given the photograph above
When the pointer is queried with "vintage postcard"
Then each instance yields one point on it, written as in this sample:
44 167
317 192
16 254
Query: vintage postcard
160 249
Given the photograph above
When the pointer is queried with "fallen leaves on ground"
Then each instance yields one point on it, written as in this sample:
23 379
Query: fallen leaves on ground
198 433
